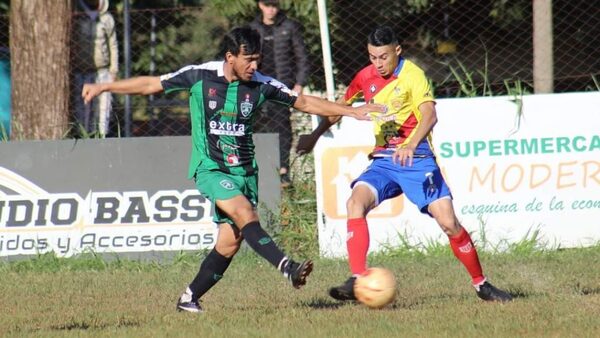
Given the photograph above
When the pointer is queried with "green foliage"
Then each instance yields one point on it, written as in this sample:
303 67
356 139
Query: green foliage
79 130
476 83
530 244
407 247
418 6
4 6
296 228
508 13
464 77
180 42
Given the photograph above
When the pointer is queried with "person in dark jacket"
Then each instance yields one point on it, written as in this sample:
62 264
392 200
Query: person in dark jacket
284 57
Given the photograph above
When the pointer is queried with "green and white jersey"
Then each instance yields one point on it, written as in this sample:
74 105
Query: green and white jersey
222 114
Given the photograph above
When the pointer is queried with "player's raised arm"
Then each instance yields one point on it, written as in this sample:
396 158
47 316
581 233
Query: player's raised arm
319 106
141 85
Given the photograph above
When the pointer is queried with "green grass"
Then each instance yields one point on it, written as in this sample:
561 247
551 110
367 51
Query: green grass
558 294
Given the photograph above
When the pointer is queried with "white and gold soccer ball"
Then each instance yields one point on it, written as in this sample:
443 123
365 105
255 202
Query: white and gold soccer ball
375 288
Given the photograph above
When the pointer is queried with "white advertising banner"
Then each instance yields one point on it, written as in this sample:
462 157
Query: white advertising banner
34 221
514 165
114 196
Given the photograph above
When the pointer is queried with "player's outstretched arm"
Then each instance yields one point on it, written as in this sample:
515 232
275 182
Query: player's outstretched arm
141 85
306 142
316 105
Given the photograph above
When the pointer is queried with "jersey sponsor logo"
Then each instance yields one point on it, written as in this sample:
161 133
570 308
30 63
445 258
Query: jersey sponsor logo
384 118
212 92
227 148
231 150
212 104
466 248
233 159
349 235
227 128
227 184
372 88
246 106
227 113
264 241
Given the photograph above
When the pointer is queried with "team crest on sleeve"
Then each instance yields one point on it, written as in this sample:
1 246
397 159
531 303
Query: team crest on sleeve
246 106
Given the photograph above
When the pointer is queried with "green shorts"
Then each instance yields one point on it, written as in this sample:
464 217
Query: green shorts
216 185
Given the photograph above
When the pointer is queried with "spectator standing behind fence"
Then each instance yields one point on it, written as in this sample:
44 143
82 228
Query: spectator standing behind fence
284 57
96 58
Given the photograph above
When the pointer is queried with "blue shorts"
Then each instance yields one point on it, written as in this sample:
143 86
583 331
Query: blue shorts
422 183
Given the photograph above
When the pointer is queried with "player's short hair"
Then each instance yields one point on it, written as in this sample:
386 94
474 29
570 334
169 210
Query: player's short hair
382 36
244 36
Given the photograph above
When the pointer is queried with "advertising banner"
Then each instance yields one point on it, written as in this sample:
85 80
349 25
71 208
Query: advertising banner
515 165
110 196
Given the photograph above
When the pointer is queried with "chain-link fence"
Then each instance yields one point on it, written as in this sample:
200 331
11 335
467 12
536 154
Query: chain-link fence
467 47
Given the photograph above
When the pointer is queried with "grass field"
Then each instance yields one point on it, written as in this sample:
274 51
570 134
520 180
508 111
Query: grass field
557 295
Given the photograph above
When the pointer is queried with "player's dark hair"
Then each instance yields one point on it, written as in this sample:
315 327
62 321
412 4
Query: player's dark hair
241 36
382 36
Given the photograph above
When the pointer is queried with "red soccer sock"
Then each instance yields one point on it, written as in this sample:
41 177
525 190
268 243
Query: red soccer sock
357 243
465 251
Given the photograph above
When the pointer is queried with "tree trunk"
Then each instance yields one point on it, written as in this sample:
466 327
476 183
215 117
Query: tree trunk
39 47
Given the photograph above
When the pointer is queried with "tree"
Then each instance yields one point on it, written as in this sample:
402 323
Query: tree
39 47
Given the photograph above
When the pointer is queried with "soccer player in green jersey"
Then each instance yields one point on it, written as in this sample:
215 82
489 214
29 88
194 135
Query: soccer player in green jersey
224 95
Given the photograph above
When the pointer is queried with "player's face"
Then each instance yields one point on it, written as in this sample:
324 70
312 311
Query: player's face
244 65
384 58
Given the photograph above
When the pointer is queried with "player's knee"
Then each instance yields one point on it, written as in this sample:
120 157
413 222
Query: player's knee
449 225
242 216
229 249
355 207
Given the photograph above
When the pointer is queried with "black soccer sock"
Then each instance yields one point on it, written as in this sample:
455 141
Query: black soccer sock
263 244
211 271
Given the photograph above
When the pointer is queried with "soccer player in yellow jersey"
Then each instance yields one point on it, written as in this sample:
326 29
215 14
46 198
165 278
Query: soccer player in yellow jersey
403 160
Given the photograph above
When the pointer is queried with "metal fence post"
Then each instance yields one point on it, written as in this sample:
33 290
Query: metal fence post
127 60
543 56
326 46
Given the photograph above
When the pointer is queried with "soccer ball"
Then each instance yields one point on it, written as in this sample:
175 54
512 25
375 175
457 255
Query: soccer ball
375 288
